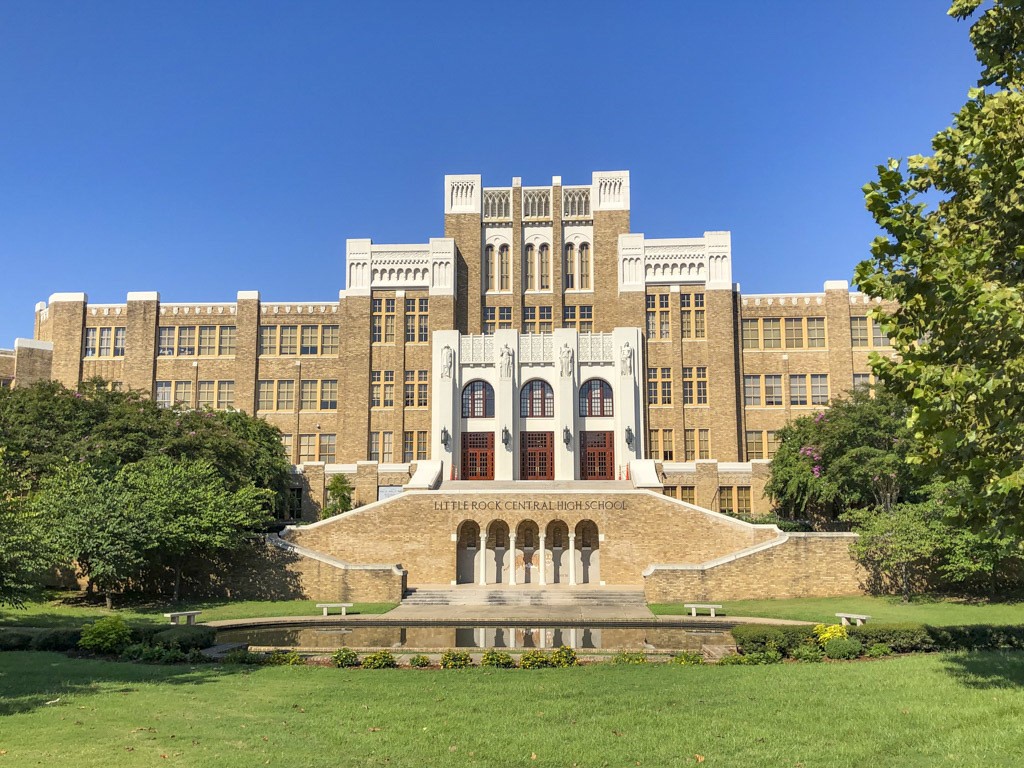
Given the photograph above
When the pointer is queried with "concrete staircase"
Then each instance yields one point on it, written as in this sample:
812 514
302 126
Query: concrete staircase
498 597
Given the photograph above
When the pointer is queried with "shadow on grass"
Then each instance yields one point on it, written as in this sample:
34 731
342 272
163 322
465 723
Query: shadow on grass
33 680
987 669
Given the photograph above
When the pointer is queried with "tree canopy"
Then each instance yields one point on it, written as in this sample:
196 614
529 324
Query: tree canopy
952 258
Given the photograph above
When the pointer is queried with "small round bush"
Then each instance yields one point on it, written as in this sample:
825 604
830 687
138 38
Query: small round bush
827 632
564 656
498 659
456 660
379 660
534 660
242 656
419 661
807 653
56 640
109 635
878 650
769 656
284 659
345 657
688 659
843 648
629 657
734 659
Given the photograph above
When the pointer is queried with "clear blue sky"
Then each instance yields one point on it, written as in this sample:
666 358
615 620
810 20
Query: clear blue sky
202 148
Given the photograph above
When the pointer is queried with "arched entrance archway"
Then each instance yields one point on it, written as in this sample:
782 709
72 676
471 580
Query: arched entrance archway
556 548
468 558
587 553
497 556
527 555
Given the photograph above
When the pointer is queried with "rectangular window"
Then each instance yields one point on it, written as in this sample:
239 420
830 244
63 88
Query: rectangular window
207 340
389 321
289 339
816 332
375 446
389 389
375 388
771 443
329 395
689 445
504 317
743 500
579 317
328 448
773 389
422 383
286 395
165 341
703 444
307 448
307 395
421 445
878 337
755 445
797 389
692 317
771 332
659 386
489 325
687 493
819 389
163 394
409 393
672 491
183 392
408 446
268 340
865 380
187 340
386 447
204 394
309 340
329 343
794 333
859 332
225 395
286 444
119 336
668 445
90 347
658 316
751 390
265 396
725 500
751 334
228 340
106 338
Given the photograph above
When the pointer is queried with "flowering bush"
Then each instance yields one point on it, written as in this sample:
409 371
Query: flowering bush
826 632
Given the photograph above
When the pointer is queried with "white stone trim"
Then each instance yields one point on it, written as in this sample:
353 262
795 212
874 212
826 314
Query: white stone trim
46 346
145 296
55 297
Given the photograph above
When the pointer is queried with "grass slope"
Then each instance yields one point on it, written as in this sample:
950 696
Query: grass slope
928 611
962 710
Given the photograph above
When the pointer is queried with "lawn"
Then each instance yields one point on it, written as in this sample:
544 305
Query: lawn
824 609
72 611
924 710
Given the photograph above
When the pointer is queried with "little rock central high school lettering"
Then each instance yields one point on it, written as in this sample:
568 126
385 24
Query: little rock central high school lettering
530 505
538 340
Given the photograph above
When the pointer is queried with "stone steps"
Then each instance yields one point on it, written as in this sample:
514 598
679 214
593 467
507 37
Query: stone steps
524 597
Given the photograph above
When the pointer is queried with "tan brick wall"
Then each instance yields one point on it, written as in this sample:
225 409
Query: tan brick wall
805 565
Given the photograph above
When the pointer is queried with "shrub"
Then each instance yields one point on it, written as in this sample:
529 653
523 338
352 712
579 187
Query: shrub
733 659
688 658
498 659
534 660
456 660
284 659
109 635
345 657
878 650
843 648
56 640
757 638
154 654
14 640
901 638
379 660
828 632
196 656
770 655
629 657
419 661
186 637
976 637
808 652
242 656
564 656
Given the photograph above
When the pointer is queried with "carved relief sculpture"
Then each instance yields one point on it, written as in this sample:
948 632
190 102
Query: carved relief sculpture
566 358
447 362
626 359
506 362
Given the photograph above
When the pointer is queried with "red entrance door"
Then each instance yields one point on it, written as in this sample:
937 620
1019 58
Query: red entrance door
597 456
477 455
536 455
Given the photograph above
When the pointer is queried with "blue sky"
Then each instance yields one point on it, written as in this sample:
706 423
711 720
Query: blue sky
198 149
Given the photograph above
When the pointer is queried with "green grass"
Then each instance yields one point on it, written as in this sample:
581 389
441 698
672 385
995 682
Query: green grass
924 710
73 611
934 611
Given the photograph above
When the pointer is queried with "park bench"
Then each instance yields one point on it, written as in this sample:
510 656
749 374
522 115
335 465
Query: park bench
175 616
327 607
846 618
702 606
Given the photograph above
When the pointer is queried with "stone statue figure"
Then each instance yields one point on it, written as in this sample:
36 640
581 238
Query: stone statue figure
626 359
447 362
506 362
566 357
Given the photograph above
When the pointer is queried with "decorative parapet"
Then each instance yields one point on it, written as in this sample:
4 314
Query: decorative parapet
576 203
187 309
537 203
462 193
536 349
428 266
597 348
476 350
675 261
610 191
497 204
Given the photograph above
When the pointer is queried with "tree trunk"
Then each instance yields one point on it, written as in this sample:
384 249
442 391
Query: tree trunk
110 601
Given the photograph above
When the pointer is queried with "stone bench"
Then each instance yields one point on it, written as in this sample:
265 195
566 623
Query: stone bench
327 607
702 606
175 616
846 618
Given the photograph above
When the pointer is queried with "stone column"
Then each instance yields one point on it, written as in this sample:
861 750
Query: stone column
483 559
542 580
572 559
511 558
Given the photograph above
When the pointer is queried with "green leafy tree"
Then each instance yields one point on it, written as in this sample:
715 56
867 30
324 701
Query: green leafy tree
339 495
23 554
952 260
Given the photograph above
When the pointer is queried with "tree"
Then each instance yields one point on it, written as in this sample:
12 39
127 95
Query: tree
339 494
23 555
952 259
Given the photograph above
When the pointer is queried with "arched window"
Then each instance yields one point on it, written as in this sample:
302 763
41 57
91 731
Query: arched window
545 268
489 268
570 267
596 398
536 399
505 268
531 275
478 400
585 267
